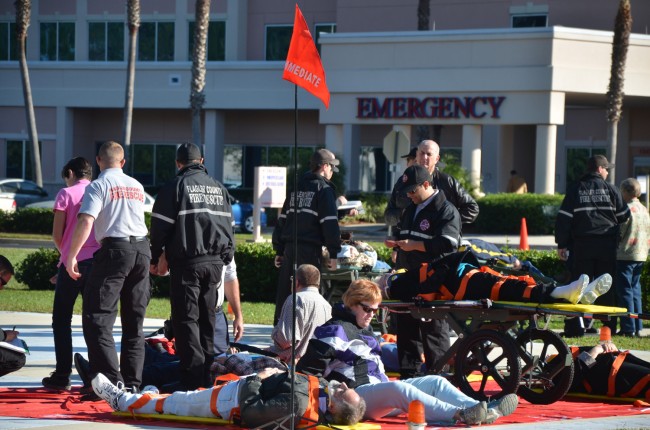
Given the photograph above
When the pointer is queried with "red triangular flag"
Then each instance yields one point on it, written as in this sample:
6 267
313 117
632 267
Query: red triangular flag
303 66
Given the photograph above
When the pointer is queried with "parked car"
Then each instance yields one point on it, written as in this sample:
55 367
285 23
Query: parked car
49 204
18 193
243 214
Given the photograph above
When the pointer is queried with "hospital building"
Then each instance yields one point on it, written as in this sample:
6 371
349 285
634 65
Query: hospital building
500 84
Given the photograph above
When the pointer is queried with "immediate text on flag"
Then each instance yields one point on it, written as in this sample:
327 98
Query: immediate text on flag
302 73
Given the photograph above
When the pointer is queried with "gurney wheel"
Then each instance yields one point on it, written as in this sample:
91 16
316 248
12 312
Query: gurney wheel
548 380
487 354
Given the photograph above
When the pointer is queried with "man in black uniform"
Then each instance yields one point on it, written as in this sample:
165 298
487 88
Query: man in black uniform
589 219
192 222
428 230
318 224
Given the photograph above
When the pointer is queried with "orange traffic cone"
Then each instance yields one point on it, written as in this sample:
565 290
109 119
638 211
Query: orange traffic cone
523 236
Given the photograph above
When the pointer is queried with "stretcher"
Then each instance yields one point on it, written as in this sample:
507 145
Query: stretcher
335 282
502 347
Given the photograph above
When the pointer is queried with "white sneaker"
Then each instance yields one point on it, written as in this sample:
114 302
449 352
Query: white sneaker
577 288
152 389
108 391
596 288
474 415
501 408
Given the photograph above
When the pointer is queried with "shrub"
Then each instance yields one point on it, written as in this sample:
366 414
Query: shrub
27 220
37 268
502 213
453 168
258 277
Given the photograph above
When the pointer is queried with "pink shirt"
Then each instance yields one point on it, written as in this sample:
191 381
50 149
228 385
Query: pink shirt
68 200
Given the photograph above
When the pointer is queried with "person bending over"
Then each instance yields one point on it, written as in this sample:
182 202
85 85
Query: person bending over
256 401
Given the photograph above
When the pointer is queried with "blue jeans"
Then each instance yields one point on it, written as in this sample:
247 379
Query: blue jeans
440 397
628 293
65 295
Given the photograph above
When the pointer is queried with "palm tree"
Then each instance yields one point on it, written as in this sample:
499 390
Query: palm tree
197 97
424 18
622 29
23 14
133 13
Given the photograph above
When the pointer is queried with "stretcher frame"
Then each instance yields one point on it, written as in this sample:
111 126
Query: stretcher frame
494 345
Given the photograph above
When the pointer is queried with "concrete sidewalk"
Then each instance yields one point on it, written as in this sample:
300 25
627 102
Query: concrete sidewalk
35 329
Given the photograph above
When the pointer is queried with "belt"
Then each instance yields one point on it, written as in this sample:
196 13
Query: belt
131 239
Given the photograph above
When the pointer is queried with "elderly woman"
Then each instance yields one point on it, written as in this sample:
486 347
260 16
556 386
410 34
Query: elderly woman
345 349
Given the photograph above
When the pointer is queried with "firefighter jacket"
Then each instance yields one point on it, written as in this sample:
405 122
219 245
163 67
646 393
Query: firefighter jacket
315 211
592 207
437 225
192 220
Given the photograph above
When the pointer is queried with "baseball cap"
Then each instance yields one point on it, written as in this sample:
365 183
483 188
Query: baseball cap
596 161
414 176
188 152
324 156
412 153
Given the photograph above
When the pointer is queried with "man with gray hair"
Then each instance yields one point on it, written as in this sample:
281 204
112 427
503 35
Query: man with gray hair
313 207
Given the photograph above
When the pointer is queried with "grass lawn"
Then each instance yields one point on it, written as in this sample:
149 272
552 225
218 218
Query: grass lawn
16 297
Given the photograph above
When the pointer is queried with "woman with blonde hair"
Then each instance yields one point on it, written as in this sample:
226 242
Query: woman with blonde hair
345 349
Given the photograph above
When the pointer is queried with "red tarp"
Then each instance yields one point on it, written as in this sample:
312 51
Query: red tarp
44 404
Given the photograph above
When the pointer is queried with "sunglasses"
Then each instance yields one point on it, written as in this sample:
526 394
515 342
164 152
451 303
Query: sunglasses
367 309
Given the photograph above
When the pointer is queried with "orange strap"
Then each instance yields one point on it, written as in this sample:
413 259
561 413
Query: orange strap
224 379
491 271
528 291
587 386
463 284
634 391
143 400
213 400
445 294
159 405
494 294
310 416
616 365
423 272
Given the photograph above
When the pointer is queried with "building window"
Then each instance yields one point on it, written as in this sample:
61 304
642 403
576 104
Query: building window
278 38
153 164
106 41
8 45
374 170
322 28
57 41
19 159
576 162
523 21
239 162
156 41
216 41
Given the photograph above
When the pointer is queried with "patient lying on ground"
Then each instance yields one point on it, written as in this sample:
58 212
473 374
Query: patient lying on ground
459 276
